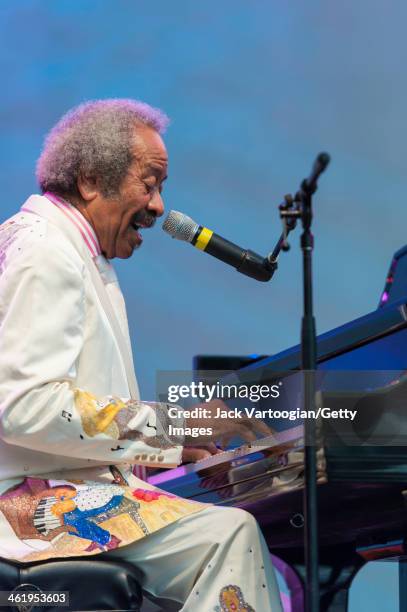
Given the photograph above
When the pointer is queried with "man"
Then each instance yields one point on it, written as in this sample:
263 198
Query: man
69 399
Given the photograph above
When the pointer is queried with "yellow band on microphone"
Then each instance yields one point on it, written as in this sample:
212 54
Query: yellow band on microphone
203 238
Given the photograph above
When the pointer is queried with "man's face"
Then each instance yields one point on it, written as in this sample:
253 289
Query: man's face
117 221
64 492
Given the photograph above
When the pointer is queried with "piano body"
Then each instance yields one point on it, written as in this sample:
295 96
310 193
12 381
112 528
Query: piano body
362 466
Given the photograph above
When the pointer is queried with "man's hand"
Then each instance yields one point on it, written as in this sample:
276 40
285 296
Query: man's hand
191 454
224 429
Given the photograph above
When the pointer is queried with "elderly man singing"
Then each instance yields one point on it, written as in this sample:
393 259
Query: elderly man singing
72 423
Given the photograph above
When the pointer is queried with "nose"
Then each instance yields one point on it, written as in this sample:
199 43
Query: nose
156 204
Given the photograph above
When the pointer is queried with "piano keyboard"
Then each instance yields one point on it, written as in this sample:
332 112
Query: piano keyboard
44 520
279 443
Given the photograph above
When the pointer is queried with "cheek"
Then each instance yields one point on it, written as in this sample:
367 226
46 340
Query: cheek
136 205
115 223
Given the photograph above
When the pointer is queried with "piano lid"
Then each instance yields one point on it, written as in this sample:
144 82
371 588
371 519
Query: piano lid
342 339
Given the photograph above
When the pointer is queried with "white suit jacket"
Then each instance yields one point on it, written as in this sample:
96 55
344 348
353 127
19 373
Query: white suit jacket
57 337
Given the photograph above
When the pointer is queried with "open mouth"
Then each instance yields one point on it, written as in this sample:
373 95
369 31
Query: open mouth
145 224
137 228
141 221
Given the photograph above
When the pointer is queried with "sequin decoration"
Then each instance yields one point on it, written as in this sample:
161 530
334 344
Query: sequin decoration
231 600
8 234
66 518
112 417
149 496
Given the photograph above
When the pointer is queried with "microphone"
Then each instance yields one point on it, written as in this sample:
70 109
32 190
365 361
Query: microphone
309 185
246 262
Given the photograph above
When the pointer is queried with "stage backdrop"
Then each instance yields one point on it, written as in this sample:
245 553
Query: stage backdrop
255 90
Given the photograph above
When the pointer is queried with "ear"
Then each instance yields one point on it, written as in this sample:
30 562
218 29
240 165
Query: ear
87 187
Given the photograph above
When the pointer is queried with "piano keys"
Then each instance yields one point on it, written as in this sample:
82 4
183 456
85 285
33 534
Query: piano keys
44 519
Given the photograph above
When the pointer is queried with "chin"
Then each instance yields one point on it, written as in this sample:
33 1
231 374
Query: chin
125 253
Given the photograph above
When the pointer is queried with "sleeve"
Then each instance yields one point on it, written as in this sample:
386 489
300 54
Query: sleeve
42 310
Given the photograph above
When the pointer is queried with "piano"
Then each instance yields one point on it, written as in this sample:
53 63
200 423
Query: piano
362 466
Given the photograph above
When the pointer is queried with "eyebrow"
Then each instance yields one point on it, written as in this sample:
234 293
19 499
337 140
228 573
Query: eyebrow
156 171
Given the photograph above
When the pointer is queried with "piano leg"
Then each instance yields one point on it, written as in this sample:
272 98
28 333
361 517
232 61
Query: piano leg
338 567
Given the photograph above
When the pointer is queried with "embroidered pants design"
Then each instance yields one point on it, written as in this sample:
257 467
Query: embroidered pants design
85 527
215 560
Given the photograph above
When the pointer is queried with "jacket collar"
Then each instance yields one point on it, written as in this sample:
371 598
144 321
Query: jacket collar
76 217
41 206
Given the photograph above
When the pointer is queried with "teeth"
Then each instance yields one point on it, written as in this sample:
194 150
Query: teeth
140 227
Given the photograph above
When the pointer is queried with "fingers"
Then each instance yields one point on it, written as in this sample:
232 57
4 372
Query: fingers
243 429
241 433
247 434
225 439
191 455
211 447
260 427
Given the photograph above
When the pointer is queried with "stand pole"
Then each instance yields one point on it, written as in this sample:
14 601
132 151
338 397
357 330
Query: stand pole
303 209
308 359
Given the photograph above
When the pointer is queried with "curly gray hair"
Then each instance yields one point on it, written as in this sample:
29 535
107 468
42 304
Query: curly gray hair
94 138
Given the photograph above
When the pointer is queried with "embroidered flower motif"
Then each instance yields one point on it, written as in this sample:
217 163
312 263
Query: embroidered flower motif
149 496
231 600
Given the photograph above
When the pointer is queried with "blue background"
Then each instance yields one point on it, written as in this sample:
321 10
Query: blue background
254 90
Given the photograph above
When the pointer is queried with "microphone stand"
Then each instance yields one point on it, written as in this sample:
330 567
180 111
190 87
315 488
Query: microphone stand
293 209
289 216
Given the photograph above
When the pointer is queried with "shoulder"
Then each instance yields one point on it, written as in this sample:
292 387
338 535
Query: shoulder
30 242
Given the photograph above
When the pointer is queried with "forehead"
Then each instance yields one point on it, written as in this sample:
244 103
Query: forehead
64 492
149 148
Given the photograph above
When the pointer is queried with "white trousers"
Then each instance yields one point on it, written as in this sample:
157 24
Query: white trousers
213 561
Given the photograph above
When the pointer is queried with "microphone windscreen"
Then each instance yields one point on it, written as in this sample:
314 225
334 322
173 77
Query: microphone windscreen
323 159
180 226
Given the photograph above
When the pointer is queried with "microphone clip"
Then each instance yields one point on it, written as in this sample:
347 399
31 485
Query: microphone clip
290 212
